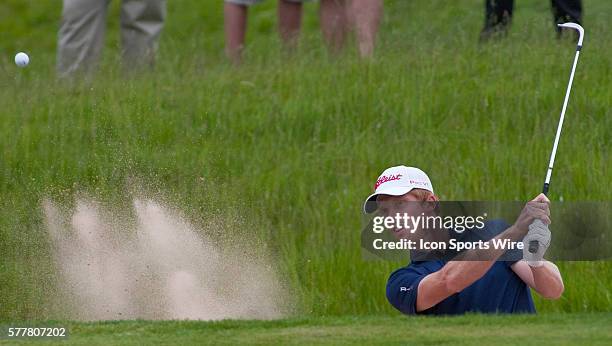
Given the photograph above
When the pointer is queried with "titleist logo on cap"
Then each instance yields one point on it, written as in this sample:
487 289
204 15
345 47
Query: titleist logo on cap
386 178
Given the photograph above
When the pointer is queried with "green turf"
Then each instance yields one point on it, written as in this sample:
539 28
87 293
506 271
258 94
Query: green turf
551 329
296 141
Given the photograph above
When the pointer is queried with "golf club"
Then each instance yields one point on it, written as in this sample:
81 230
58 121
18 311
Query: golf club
534 244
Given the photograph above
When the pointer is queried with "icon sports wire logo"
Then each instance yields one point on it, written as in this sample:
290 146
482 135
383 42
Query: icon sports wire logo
385 179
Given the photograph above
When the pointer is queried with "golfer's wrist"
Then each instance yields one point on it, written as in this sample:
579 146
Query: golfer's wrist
536 265
515 232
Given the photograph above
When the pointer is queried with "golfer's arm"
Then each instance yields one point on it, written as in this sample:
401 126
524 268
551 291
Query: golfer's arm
546 279
457 275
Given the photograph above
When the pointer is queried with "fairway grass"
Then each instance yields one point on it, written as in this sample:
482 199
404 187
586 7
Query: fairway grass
549 329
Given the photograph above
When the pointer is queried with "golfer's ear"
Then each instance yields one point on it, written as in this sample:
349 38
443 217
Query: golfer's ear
432 198
431 203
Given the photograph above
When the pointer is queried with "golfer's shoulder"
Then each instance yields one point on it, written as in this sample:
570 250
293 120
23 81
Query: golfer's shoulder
418 268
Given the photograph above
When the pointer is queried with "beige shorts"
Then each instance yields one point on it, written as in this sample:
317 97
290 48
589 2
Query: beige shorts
253 2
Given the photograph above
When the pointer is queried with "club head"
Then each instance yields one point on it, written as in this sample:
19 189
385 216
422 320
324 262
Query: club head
575 27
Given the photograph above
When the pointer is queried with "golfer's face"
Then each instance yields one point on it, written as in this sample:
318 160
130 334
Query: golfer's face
400 206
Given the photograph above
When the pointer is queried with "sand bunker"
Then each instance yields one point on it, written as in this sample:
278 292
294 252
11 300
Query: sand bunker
156 267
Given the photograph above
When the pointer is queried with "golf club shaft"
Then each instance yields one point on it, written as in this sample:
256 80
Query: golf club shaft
567 95
534 244
560 126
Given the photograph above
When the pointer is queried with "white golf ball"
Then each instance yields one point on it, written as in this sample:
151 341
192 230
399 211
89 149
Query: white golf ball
22 59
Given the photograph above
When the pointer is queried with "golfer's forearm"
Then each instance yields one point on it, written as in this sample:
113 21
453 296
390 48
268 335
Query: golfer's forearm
458 275
547 280
474 264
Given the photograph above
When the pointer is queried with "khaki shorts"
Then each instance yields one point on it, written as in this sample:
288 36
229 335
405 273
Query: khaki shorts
253 2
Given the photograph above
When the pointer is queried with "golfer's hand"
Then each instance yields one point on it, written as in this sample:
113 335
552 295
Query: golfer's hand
538 208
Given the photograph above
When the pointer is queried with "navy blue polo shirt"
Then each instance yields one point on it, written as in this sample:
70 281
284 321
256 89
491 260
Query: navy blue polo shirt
500 290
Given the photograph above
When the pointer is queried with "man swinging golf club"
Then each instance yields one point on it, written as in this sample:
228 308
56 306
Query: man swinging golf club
476 283
459 286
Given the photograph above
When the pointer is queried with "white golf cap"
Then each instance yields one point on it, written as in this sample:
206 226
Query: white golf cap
396 181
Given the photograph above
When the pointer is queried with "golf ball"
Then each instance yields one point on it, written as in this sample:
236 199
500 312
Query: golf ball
22 59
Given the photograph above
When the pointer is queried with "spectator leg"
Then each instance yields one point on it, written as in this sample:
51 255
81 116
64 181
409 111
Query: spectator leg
81 35
566 11
235 21
289 22
365 17
334 24
498 16
141 24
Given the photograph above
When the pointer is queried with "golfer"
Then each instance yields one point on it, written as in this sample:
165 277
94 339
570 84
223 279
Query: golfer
440 287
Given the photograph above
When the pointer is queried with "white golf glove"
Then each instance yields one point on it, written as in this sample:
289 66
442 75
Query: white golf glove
538 232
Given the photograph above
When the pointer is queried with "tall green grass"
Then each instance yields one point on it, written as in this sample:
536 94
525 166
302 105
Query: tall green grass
293 143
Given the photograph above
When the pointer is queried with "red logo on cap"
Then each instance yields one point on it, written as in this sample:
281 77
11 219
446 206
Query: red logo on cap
386 178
